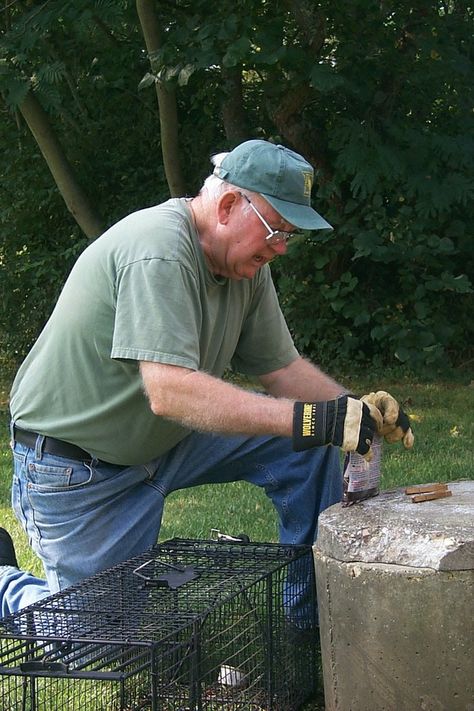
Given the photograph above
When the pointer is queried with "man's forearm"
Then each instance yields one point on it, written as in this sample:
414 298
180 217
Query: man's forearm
301 380
201 402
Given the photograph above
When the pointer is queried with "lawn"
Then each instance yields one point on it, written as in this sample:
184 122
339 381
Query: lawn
443 423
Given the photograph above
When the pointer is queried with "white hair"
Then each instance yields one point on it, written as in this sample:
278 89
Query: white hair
215 186
218 158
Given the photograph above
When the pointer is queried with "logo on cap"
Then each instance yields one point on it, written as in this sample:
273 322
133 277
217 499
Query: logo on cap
308 183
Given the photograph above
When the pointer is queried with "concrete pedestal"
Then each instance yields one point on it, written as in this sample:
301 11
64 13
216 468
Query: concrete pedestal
396 602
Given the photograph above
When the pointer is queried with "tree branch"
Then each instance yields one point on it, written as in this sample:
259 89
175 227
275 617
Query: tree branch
76 201
166 102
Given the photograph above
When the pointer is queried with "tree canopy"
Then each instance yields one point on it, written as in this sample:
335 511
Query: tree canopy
111 106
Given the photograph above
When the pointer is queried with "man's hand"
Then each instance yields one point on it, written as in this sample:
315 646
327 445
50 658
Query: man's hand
345 422
396 423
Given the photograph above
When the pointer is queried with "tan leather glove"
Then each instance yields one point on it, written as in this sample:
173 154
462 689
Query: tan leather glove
396 423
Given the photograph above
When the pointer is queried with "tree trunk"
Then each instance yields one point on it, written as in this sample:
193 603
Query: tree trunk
76 201
233 113
287 113
166 102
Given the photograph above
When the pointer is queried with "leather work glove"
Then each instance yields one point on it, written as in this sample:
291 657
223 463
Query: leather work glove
346 422
396 423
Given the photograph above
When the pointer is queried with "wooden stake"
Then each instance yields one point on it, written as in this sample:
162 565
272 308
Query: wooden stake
431 496
425 488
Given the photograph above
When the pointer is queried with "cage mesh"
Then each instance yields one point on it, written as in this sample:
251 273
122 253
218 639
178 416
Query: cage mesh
188 625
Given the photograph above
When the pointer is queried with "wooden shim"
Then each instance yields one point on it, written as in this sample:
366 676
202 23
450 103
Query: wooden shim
431 496
424 488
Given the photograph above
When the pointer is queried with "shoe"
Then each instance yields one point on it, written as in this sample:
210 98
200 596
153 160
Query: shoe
7 550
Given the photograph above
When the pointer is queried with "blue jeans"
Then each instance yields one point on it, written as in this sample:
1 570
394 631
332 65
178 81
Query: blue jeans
83 517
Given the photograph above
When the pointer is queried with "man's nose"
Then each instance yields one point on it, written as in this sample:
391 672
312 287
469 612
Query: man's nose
280 247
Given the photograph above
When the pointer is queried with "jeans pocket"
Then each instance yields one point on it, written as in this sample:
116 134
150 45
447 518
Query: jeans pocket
43 476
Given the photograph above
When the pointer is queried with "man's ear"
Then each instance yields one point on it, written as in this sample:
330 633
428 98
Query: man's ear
225 205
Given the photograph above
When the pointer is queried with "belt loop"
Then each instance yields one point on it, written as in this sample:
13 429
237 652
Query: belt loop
39 447
12 433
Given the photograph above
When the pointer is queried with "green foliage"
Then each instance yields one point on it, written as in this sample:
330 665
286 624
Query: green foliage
36 248
64 55
377 96
395 279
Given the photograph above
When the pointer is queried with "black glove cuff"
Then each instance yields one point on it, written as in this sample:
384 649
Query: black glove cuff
309 422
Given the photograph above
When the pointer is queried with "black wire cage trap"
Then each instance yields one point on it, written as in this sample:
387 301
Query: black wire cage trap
187 626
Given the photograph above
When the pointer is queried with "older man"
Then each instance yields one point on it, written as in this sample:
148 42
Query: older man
121 400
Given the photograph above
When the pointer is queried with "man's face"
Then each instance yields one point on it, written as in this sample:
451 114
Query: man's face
240 248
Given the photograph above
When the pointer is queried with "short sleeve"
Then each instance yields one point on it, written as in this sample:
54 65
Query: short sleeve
157 313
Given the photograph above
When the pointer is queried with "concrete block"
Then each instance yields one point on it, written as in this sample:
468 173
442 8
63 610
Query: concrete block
395 587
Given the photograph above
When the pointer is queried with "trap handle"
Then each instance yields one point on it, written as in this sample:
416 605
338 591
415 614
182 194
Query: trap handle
179 575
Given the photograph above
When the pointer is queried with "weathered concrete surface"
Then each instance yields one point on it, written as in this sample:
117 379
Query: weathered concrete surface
396 603
390 528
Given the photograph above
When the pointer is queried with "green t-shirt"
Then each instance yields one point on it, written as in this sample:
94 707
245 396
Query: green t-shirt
142 291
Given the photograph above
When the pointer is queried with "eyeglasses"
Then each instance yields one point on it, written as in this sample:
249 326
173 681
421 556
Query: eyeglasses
273 236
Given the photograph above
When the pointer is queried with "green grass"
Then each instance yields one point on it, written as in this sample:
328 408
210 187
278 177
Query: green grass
442 416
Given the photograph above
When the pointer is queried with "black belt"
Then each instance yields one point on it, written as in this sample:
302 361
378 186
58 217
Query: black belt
51 445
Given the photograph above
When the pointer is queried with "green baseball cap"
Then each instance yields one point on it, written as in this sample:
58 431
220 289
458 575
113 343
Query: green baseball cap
281 176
